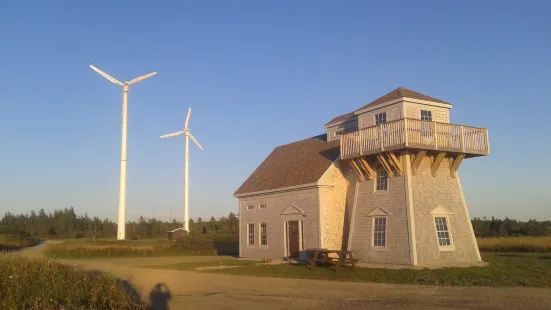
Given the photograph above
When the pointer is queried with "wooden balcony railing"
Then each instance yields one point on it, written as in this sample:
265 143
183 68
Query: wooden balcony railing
415 134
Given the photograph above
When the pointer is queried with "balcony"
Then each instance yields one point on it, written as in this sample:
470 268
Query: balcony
415 134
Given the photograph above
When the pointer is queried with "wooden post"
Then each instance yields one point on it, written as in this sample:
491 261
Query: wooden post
406 131
380 129
462 137
434 135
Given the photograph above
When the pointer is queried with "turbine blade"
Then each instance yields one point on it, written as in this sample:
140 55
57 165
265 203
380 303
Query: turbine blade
172 134
187 118
141 78
107 76
194 140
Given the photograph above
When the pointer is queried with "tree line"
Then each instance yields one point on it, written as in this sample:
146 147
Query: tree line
65 223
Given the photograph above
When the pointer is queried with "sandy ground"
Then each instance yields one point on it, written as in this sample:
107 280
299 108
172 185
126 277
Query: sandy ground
195 290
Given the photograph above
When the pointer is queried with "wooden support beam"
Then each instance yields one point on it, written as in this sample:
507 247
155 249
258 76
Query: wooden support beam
455 164
436 163
385 165
358 170
417 161
365 165
396 161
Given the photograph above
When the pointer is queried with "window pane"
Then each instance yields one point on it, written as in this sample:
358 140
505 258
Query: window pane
251 234
442 231
263 234
379 231
382 178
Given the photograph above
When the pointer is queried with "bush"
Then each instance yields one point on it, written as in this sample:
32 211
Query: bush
45 284
16 241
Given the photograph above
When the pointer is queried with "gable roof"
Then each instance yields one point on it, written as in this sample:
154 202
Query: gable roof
400 92
298 163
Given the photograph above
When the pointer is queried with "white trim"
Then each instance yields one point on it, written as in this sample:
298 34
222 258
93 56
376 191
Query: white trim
240 223
300 233
248 235
353 216
320 220
378 212
440 211
468 219
443 248
292 209
285 242
260 236
378 248
409 207
280 190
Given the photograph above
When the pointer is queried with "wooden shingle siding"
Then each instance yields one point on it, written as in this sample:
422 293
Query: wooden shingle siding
332 206
367 119
306 200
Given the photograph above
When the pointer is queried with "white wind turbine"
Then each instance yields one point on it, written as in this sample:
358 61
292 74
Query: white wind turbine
121 229
186 173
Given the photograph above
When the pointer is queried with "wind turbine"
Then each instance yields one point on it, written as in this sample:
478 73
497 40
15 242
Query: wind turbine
186 175
121 229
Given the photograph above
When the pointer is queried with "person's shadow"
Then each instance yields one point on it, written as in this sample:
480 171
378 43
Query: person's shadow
159 297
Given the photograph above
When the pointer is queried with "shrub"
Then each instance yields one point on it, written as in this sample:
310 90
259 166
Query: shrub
45 284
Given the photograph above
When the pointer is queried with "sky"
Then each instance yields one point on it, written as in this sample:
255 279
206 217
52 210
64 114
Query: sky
257 74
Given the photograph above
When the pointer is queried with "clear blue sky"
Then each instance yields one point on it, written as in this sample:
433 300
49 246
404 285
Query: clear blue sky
257 75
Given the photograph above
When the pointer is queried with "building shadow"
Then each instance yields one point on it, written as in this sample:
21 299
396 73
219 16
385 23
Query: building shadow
159 297
227 248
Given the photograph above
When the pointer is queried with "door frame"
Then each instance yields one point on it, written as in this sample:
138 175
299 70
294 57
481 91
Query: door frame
286 236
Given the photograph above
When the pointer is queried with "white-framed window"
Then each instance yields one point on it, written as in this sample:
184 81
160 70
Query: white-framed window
250 207
381 180
263 234
442 231
250 234
379 231
380 118
262 206
426 115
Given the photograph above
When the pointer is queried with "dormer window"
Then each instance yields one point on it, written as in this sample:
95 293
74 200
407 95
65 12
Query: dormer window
380 118
426 115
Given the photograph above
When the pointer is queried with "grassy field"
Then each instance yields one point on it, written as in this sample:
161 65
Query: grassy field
515 244
505 269
86 248
44 284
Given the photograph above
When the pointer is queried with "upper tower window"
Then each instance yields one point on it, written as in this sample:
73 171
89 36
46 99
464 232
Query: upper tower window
380 118
426 115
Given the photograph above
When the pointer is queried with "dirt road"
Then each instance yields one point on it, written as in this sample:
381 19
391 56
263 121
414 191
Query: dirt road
194 290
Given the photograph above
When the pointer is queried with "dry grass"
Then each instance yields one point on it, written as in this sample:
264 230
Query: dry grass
11 242
515 244
114 248
45 284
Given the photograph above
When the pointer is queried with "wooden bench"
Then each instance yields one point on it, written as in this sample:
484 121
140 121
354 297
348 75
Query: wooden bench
344 257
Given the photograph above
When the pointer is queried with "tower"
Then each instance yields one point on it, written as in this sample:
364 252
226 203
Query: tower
407 205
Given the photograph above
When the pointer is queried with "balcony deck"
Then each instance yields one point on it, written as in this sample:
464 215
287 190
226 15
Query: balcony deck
409 133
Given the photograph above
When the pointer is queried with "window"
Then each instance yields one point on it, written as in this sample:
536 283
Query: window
262 206
442 231
263 234
250 207
250 232
382 180
426 115
339 132
380 118
379 231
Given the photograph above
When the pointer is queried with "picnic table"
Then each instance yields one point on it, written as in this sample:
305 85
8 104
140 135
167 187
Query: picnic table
344 257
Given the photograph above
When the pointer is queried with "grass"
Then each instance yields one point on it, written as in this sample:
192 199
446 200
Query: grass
515 244
13 242
86 248
45 284
194 265
505 269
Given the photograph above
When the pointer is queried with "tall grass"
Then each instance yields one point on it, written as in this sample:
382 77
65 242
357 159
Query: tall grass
45 284
515 244
187 245
10 242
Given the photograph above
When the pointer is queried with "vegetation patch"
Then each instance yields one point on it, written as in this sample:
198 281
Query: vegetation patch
515 244
45 284
186 245
211 265
16 241
505 269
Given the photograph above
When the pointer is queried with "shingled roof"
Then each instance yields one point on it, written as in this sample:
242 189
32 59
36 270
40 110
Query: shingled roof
399 92
298 163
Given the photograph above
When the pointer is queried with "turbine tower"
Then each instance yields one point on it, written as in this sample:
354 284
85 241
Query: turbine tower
121 229
186 173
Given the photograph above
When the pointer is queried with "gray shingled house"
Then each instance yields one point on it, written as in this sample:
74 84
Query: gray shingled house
382 182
